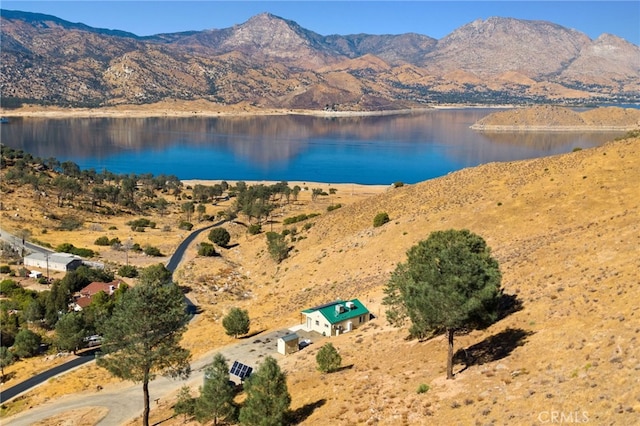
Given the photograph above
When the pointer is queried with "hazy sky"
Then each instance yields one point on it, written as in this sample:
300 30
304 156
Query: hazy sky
432 18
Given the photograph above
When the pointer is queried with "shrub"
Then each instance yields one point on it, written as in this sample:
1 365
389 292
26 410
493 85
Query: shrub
423 388
128 271
8 286
5 269
254 229
219 236
187 226
206 249
70 223
139 223
102 241
277 246
334 207
380 219
152 251
328 358
398 184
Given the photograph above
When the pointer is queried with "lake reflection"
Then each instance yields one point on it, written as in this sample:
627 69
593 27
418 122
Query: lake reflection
370 150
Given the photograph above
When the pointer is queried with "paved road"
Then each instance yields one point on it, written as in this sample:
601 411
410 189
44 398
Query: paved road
18 243
176 258
38 379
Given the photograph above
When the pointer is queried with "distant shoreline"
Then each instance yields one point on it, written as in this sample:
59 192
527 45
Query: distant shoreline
206 110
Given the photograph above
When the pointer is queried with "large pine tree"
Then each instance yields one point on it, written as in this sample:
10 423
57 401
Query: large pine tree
449 282
142 336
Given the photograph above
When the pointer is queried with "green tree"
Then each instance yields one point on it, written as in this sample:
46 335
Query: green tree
268 398
188 208
26 344
201 209
277 246
128 271
219 236
328 358
449 282
186 404
216 396
142 336
70 330
157 274
6 359
236 322
9 328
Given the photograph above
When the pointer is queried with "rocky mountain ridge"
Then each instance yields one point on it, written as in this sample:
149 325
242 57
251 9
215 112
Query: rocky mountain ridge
272 62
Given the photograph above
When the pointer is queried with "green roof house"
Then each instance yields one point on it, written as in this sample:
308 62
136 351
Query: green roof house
334 318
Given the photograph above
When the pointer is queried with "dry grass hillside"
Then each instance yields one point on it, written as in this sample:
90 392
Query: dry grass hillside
550 118
566 232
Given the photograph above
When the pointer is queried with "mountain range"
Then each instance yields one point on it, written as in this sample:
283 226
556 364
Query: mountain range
271 62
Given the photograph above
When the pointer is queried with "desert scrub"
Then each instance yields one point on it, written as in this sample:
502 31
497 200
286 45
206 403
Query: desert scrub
380 219
423 388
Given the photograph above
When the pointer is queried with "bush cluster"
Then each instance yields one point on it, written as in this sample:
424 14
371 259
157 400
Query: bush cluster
299 218
78 251
138 225
105 241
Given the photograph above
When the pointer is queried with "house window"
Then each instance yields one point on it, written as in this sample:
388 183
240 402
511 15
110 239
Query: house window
317 322
326 325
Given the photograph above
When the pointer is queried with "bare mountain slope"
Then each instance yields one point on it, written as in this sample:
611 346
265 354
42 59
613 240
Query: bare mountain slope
272 62
536 49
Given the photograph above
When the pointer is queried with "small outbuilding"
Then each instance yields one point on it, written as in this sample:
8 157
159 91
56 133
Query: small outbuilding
288 344
334 318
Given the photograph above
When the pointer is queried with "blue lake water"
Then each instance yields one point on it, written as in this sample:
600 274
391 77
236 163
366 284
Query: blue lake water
405 148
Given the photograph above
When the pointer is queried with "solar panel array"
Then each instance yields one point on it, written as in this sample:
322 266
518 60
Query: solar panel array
240 370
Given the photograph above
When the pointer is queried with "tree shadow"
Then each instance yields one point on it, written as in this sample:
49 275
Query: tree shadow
165 420
299 415
507 305
343 368
7 377
253 334
492 348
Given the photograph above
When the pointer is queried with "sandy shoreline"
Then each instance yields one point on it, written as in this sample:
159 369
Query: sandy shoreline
206 109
